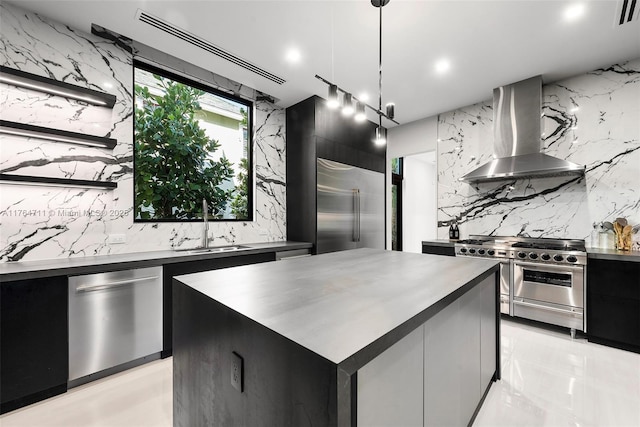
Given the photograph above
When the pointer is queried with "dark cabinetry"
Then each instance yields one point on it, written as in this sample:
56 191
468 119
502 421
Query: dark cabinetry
434 249
171 270
314 131
613 303
33 332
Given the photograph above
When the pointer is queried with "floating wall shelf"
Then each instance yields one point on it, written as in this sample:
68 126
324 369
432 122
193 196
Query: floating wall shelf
41 132
55 87
57 182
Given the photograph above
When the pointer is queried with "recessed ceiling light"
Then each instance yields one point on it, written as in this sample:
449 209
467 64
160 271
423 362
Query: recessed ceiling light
364 96
293 56
442 66
574 12
108 85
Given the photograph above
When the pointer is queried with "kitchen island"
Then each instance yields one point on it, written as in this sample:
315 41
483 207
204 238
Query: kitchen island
346 338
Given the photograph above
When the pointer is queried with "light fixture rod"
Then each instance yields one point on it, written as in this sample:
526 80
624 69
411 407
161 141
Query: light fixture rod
380 69
378 111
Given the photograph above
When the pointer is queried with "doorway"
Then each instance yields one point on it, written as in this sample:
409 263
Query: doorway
413 204
396 204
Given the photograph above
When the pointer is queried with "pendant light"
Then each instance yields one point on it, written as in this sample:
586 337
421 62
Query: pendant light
353 105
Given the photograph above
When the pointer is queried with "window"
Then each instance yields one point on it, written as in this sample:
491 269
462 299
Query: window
191 142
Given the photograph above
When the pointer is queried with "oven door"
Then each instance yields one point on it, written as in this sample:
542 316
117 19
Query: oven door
549 293
556 284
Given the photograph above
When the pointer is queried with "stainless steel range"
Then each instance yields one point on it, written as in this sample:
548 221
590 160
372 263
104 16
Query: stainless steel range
540 279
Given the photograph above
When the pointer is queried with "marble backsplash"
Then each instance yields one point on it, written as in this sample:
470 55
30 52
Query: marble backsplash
591 119
41 222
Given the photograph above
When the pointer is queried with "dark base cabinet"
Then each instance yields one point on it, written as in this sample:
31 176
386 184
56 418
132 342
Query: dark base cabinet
33 332
613 303
171 270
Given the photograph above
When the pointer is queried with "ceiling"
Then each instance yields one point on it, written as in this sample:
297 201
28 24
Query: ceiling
487 43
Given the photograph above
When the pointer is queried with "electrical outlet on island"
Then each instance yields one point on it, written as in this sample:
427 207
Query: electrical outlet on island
237 372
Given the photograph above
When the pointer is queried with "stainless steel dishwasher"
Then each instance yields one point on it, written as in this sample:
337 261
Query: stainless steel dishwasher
115 322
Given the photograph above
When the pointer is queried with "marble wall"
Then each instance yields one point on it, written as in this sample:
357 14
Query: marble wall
41 222
591 119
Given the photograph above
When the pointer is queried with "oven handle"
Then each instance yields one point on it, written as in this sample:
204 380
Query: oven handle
545 267
544 307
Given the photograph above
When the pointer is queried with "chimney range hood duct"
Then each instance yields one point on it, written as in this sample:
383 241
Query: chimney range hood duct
517 116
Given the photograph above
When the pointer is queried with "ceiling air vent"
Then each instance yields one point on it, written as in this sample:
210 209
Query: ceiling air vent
627 11
203 44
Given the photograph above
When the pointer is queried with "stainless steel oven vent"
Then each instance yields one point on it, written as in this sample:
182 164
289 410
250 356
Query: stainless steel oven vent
183 35
627 11
517 142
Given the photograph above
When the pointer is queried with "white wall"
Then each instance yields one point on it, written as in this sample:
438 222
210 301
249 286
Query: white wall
591 119
410 138
418 201
38 222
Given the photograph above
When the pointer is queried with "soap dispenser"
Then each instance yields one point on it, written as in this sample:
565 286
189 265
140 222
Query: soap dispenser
456 231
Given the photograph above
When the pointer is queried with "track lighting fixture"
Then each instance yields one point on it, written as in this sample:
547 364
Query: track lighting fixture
332 99
360 114
347 105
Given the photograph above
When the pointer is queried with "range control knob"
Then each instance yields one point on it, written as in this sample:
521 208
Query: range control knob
463 250
472 251
545 257
491 252
522 255
558 257
533 255
481 251
571 258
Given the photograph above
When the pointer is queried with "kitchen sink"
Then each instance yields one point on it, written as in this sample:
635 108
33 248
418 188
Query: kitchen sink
214 249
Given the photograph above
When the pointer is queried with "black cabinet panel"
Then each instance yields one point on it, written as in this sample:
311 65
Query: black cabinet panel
438 250
171 270
284 384
314 131
613 303
301 171
33 332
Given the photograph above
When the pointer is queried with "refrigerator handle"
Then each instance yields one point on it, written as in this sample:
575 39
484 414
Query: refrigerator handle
354 234
359 216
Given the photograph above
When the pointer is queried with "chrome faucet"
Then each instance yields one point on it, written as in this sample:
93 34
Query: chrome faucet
205 232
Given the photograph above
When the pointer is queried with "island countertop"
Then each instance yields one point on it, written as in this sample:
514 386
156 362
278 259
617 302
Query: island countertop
344 306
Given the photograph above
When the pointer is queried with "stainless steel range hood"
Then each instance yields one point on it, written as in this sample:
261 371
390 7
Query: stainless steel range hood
517 116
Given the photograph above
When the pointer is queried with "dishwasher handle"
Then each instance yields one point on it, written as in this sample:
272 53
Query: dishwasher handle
113 284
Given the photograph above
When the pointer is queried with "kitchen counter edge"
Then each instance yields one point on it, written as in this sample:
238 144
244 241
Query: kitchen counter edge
23 270
613 255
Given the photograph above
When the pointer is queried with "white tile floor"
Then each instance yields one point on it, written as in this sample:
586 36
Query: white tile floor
548 380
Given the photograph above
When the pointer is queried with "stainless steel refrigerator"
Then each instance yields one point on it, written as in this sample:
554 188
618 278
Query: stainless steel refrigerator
350 204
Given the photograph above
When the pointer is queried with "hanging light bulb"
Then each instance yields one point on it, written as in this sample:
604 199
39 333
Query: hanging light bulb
381 136
332 100
347 105
360 115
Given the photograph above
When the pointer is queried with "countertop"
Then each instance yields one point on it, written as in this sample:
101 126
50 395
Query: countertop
439 242
613 254
20 270
343 305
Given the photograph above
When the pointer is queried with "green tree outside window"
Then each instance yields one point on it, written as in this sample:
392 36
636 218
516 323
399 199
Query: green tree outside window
174 165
